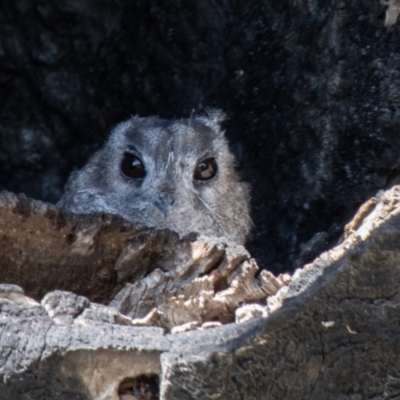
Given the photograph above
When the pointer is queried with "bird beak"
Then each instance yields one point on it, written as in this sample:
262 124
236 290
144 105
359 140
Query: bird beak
164 203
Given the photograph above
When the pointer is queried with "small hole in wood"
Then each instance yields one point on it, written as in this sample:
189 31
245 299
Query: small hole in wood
143 387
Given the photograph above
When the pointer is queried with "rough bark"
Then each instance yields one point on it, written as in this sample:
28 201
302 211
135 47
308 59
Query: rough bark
330 333
311 88
43 249
151 276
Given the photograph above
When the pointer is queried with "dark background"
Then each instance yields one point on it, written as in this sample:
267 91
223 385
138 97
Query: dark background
311 88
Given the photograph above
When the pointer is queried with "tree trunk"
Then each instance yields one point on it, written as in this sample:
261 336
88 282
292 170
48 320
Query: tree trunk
329 332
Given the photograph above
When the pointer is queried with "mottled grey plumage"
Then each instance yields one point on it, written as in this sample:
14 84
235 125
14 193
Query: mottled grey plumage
168 195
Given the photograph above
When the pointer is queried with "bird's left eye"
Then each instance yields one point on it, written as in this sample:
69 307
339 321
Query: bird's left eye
205 170
132 166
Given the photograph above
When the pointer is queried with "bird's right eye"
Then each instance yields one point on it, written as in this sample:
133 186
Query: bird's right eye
132 166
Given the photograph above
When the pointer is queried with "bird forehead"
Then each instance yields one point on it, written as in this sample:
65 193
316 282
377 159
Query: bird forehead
170 139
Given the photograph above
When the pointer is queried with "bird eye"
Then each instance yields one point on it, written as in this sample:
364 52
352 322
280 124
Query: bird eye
132 166
205 170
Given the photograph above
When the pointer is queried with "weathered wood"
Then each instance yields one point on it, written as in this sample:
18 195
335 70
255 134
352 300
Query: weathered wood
174 282
330 333
92 256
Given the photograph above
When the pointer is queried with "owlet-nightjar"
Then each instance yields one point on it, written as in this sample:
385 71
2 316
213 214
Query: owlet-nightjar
174 174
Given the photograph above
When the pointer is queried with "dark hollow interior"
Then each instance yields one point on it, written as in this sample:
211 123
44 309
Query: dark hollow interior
311 89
